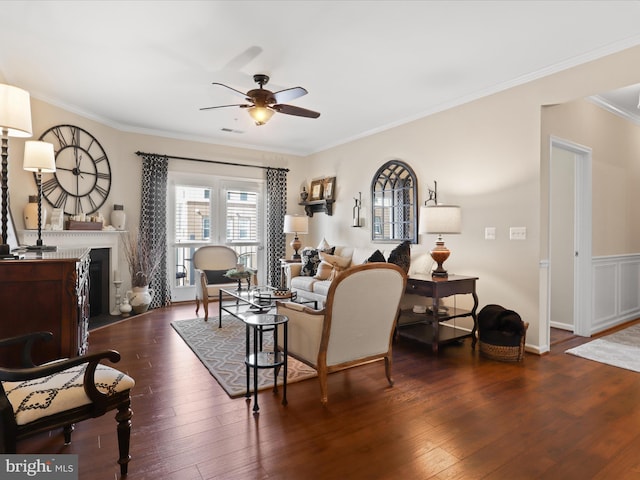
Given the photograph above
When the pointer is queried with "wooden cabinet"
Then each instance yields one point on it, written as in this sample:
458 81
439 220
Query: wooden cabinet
46 292
430 327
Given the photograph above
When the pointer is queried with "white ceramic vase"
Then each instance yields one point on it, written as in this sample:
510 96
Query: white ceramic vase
140 298
125 307
118 217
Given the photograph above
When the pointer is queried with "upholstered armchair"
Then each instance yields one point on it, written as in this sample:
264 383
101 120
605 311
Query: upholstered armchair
58 394
211 263
356 326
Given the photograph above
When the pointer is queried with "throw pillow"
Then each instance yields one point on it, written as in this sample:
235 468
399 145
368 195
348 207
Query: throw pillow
335 260
310 258
216 276
331 265
324 245
376 256
324 271
310 261
401 256
327 271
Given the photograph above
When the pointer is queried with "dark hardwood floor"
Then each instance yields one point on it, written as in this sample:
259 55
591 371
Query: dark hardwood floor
451 416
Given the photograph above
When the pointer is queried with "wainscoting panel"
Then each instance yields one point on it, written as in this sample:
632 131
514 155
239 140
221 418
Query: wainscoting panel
629 287
604 292
616 290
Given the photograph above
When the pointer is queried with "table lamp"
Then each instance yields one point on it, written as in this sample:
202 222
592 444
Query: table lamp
440 219
39 158
15 121
296 224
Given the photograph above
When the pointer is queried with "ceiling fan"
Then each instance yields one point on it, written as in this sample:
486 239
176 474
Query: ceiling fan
264 103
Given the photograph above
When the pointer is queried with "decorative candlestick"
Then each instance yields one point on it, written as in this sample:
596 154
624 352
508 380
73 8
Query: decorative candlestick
116 310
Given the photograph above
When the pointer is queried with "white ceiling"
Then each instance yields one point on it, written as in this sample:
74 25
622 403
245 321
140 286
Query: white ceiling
147 66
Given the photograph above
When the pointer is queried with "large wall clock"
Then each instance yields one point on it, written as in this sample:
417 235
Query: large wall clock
82 180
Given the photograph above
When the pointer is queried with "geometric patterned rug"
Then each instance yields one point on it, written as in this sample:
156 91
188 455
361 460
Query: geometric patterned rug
222 352
620 349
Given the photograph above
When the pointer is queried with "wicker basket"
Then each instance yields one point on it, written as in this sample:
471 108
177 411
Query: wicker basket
502 353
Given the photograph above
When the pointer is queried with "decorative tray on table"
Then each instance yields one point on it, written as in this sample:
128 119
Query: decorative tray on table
272 293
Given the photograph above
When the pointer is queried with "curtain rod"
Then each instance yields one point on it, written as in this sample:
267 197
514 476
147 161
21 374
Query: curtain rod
212 161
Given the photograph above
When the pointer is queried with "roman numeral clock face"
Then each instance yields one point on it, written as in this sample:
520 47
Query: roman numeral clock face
82 180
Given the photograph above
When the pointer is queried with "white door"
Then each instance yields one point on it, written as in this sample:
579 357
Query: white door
570 237
209 210
562 238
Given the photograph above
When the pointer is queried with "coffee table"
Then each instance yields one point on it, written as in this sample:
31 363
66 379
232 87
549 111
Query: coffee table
261 299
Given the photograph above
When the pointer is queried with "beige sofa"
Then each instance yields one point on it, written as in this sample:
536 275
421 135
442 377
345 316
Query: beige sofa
312 288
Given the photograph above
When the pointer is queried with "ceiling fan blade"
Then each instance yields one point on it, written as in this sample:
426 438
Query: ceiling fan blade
241 105
239 61
297 111
238 92
289 94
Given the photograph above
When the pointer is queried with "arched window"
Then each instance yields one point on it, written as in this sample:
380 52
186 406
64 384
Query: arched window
394 194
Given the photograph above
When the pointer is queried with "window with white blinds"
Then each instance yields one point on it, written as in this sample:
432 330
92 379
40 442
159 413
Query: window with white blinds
192 214
241 216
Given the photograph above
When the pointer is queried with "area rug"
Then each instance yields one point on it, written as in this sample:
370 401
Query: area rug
620 349
222 352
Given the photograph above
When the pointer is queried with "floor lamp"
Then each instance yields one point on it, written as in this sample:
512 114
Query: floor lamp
39 158
15 121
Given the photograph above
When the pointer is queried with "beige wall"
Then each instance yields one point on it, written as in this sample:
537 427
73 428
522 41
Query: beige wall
126 166
485 155
615 144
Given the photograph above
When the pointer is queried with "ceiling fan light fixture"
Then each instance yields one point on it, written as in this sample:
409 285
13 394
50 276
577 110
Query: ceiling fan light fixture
261 115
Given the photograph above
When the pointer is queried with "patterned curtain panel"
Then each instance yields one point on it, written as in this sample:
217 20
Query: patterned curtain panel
153 221
276 208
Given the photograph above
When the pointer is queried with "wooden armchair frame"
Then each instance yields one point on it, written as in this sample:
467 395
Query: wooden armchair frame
99 403
355 327
212 257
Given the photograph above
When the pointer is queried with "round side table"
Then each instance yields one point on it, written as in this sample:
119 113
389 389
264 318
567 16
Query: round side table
257 359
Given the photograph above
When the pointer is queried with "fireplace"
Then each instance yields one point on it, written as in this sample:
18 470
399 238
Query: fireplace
107 241
99 282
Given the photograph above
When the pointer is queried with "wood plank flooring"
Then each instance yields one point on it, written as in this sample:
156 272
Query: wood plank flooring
451 416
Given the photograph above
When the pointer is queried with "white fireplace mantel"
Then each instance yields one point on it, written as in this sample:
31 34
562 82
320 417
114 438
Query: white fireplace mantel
83 239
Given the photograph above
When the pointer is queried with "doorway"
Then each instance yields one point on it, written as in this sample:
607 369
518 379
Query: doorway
570 235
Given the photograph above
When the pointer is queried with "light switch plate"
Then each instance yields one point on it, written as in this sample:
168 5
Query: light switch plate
490 233
518 233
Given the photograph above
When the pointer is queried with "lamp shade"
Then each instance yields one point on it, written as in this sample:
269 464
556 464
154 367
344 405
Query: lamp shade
296 224
261 115
15 111
440 219
39 157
